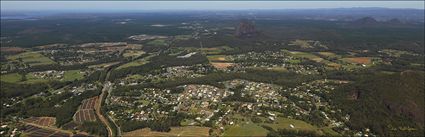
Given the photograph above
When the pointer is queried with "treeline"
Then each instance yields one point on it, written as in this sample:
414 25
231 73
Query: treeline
94 128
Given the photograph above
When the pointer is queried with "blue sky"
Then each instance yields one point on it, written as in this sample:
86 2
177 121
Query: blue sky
195 5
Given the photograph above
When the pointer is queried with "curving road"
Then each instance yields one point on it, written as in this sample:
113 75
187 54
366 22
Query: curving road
107 87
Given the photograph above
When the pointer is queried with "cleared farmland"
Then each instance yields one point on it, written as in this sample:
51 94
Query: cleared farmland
86 111
42 121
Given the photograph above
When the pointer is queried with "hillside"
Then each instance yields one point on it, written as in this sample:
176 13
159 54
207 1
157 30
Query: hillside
387 104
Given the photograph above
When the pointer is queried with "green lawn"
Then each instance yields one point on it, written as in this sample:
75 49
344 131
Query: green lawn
158 42
11 78
72 75
284 123
249 129
32 58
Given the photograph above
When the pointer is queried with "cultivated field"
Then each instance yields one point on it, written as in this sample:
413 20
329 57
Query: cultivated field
86 111
359 60
33 131
217 58
133 53
88 103
42 121
84 115
175 131
222 65
11 49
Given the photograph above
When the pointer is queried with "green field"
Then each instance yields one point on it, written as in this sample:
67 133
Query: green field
72 75
138 62
32 58
158 42
182 37
286 122
245 129
11 78
315 58
133 53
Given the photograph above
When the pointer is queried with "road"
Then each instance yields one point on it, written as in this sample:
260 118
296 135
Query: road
98 107
107 87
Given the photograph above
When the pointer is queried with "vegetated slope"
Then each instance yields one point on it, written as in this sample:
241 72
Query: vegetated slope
390 105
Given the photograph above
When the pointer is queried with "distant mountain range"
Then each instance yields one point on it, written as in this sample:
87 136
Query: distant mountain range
334 14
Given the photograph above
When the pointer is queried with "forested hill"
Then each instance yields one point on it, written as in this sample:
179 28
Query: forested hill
388 104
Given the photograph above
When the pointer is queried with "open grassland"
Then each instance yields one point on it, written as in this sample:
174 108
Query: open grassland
284 123
316 58
138 62
32 58
11 77
245 129
175 131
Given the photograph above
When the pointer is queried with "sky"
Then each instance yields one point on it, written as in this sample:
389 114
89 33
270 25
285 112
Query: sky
197 5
